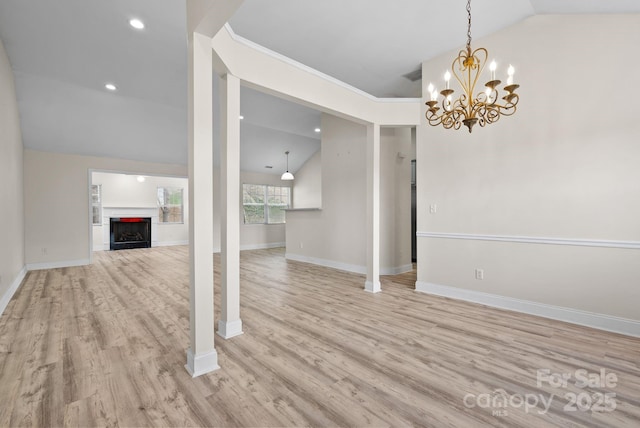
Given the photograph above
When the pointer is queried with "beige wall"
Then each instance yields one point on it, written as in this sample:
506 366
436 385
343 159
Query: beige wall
564 166
57 206
395 198
57 203
11 184
307 186
336 235
125 191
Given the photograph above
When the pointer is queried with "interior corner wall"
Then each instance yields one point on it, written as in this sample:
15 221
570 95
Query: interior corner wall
307 186
564 167
335 236
56 189
11 186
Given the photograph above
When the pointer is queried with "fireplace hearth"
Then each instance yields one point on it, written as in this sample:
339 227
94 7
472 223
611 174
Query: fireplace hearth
130 232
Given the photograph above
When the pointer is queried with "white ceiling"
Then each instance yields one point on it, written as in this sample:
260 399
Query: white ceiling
370 44
64 51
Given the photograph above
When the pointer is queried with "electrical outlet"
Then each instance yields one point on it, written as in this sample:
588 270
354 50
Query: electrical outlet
44 251
479 273
433 208
301 245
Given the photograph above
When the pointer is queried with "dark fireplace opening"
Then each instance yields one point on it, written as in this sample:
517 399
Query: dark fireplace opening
130 232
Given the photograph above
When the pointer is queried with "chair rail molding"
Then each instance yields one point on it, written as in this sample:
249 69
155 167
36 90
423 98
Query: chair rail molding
534 240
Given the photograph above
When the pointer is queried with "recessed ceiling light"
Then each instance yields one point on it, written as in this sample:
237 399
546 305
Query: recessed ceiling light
141 179
137 24
317 129
241 117
110 86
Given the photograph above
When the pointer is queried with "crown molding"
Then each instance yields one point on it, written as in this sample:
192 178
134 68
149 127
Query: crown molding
313 71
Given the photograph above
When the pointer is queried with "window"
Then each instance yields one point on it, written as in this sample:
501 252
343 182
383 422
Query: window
96 203
264 204
170 206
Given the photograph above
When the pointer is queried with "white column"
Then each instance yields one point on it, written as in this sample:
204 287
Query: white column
230 324
201 355
372 284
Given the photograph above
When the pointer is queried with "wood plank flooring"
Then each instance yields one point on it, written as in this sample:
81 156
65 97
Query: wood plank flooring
104 345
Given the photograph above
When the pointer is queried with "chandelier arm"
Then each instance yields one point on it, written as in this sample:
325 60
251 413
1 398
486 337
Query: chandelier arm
489 99
459 61
507 109
433 118
479 64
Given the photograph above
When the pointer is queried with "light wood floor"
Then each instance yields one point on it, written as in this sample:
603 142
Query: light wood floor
104 345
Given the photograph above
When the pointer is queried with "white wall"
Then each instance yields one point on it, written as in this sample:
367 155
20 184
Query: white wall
564 166
56 188
254 236
307 186
125 191
336 235
11 186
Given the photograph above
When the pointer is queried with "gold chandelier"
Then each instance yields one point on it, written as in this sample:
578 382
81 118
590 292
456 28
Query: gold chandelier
468 110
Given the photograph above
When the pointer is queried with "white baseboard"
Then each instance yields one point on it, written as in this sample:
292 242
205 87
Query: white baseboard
396 270
6 298
201 364
589 319
327 263
345 266
229 329
55 265
168 243
255 246
262 246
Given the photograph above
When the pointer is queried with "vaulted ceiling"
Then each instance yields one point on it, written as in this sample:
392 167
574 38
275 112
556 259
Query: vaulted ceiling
64 51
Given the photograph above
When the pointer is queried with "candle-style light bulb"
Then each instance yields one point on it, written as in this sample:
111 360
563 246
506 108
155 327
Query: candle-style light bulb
432 92
510 72
447 77
488 93
493 67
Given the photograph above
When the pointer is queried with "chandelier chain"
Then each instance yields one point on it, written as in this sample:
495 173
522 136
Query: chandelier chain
469 24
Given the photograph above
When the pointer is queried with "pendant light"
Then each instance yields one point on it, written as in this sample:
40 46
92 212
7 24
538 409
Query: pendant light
287 175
